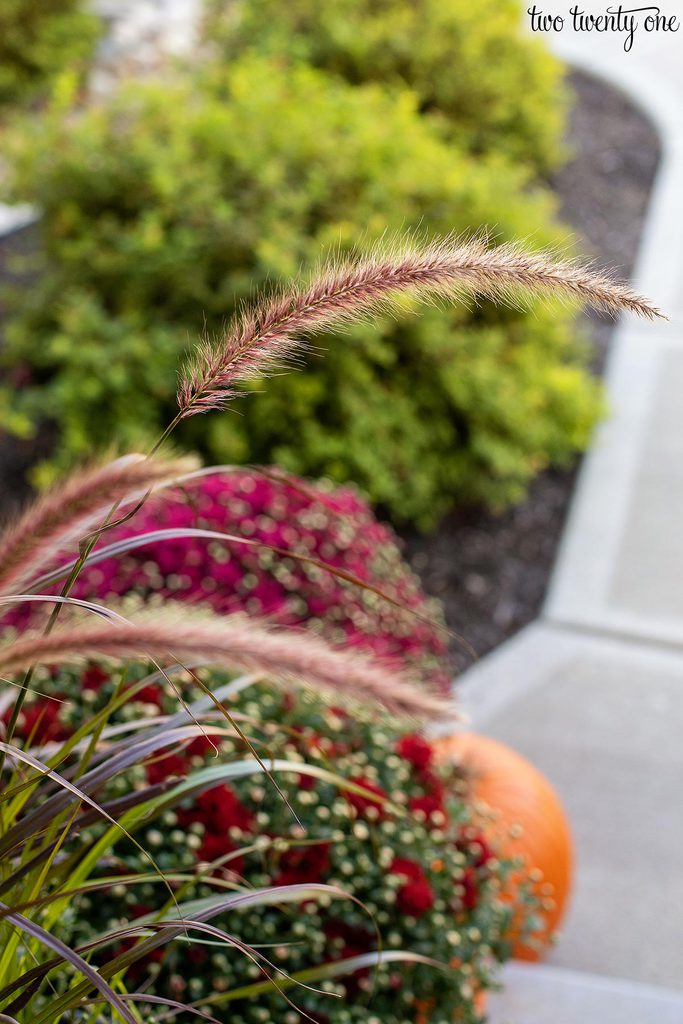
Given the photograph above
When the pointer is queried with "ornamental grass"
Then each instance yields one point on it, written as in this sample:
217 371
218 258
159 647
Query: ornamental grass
73 791
364 810
283 530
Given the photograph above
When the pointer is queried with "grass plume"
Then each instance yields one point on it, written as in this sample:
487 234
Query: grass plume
65 514
293 657
272 331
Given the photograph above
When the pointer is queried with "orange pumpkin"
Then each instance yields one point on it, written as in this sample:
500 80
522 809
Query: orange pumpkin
527 821
424 1008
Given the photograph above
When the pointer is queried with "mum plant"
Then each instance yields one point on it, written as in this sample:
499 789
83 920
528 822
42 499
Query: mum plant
427 919
75 791
283 527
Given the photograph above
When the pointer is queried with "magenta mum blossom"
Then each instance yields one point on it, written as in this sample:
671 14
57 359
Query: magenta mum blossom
334 526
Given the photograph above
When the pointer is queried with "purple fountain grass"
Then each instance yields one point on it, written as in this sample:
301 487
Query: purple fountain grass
292 657
64 515
269 333
272 331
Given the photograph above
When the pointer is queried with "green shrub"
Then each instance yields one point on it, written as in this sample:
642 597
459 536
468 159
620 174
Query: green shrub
38 39
499 89
175 198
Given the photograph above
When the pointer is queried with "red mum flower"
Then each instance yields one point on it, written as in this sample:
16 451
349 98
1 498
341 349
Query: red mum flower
356 940
432 783
200 746
306 781
41 722
307 741
410 868
196 955
416 750
161 769
476 847
150 695
416 897
302 864
428 803
215 846
471 889
482 851
94 677
362 802
219 809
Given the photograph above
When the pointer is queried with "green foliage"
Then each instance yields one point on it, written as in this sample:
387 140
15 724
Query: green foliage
173 200
38 39
378 819
499 89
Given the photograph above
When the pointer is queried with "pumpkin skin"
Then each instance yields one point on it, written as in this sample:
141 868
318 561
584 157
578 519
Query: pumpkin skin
518 794
424 1009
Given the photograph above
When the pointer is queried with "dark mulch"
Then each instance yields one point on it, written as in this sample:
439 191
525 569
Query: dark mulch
492 571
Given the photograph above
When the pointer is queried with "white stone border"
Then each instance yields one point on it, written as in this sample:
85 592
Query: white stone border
14 217
531 659
538 994
579 592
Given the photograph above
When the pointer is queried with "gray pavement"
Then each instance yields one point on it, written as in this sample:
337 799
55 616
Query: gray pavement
567 997
603 719
593 692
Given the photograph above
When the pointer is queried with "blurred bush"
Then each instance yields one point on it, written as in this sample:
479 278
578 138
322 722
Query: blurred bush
498 88
173 199
38 39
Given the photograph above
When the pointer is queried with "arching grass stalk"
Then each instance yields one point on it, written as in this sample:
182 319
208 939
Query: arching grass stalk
273 331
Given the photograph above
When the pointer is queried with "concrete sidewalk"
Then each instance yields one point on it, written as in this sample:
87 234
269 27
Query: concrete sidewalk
593 692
